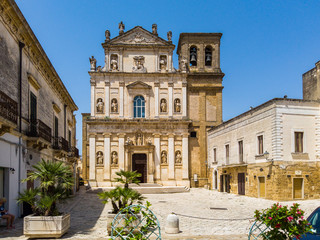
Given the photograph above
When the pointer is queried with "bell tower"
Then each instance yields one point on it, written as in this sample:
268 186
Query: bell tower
201 51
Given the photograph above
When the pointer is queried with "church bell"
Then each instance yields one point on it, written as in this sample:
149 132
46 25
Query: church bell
193 59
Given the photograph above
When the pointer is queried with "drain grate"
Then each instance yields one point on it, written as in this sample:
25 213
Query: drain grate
162 201
217 208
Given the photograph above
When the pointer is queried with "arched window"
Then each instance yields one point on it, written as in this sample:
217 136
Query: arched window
193 56
139 107
208 56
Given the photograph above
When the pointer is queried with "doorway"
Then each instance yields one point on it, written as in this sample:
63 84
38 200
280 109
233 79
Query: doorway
225 183
139 164
241 183
262 187
298 188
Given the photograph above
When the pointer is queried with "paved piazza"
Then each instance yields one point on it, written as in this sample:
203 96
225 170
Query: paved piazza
230 220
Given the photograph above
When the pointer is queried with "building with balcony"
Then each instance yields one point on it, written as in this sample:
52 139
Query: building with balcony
148 116
37 118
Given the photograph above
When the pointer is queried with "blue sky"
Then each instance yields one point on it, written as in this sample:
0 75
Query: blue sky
265 47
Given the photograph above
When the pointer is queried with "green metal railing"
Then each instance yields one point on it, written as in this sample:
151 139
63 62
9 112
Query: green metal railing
257 231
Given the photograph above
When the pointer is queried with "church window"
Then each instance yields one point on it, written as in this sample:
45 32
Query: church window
208 56
139 107
193 56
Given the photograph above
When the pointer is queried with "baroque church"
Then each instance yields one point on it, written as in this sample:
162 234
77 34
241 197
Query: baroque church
148 116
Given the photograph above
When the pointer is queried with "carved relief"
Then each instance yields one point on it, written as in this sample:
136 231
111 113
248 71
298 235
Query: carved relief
93 64
164 157
163 63
183 65
114 158
99 158
163 105
129 141
137 38
100 105
114 62
138 62
149 141
114 105
178 157
177 105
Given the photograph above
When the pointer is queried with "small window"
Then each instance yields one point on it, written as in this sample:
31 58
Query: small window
260 144
298 136
215 155
240 143
193 56
138 107
193 134
227 153
208 56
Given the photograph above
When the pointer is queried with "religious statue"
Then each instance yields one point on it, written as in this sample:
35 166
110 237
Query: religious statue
129 141
169 36
163 157
114 63
163 63
178 157
183 65
177 105
93 63
154 29
114 158
121 28
114 105
99 158
139 139
149 141
100 105
138 64
107 34
163 105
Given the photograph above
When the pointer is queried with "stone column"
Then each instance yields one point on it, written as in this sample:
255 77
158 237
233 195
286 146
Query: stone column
147 106
92 157
121 151
185 157
171 157
93 97
170 63
170 93
107 98
150 167
157 156
156 99
184 99
107 162
121 105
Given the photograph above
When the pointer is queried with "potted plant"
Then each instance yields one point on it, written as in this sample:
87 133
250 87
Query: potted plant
55 182
121 197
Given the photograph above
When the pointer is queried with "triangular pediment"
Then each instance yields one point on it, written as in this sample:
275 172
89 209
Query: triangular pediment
138 36
138 85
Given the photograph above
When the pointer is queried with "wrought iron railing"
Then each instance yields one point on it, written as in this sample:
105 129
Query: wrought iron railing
8 108
59 143
74 152
39 129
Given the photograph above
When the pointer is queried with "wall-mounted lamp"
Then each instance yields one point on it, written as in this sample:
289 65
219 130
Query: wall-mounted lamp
268 176
307 176
254 176
12 170
289 176
267 154
261 169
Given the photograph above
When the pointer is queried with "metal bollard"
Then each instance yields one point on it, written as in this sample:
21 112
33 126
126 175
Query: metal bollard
172 224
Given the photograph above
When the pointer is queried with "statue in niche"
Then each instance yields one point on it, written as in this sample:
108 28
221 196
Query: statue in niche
138 64
163 105
107 34
183 64
149 141
93 64
129 141
100 105
114 158
169 36
99 158
163 157
114 105
178 157
114 63
121 28
154 29
163 63
177 105
139 139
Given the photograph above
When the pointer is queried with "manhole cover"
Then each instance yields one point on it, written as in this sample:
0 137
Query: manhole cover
217 208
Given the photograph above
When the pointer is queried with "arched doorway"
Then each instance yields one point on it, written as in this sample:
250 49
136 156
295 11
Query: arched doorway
139 164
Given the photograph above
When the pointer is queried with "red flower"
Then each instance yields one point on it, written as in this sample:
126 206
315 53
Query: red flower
277 225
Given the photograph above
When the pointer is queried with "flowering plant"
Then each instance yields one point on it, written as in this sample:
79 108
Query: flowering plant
283 222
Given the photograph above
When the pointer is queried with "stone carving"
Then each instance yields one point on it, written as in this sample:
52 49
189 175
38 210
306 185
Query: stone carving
169 36
99 69
178 159
164 157
99 158
107 34
114 158
163 63
100 105
121 28
138 64
139 139
177 105
137 38
114 105
183 65
114 63
154 29
163 105
149 141
93 64
129 141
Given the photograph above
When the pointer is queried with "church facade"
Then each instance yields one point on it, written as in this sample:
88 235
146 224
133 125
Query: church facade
148 116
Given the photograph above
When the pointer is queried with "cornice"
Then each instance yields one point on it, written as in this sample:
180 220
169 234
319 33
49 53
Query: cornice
20 30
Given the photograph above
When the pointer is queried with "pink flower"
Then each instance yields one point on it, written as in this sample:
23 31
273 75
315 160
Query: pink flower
290 218
298 212
270 218
302 217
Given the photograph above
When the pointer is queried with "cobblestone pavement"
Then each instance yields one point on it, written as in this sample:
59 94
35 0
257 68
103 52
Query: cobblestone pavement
203 214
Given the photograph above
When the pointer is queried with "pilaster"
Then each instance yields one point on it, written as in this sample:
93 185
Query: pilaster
157 156
171 156
121 106
156 99
184 99
121 150
185 157
107 98
170 93
107 162
92 157
93 98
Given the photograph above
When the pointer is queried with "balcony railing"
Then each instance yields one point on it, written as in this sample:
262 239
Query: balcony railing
74 152
8 108
40 129
59 143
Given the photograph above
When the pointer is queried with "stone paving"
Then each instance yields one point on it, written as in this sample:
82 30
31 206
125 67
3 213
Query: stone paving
203 215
